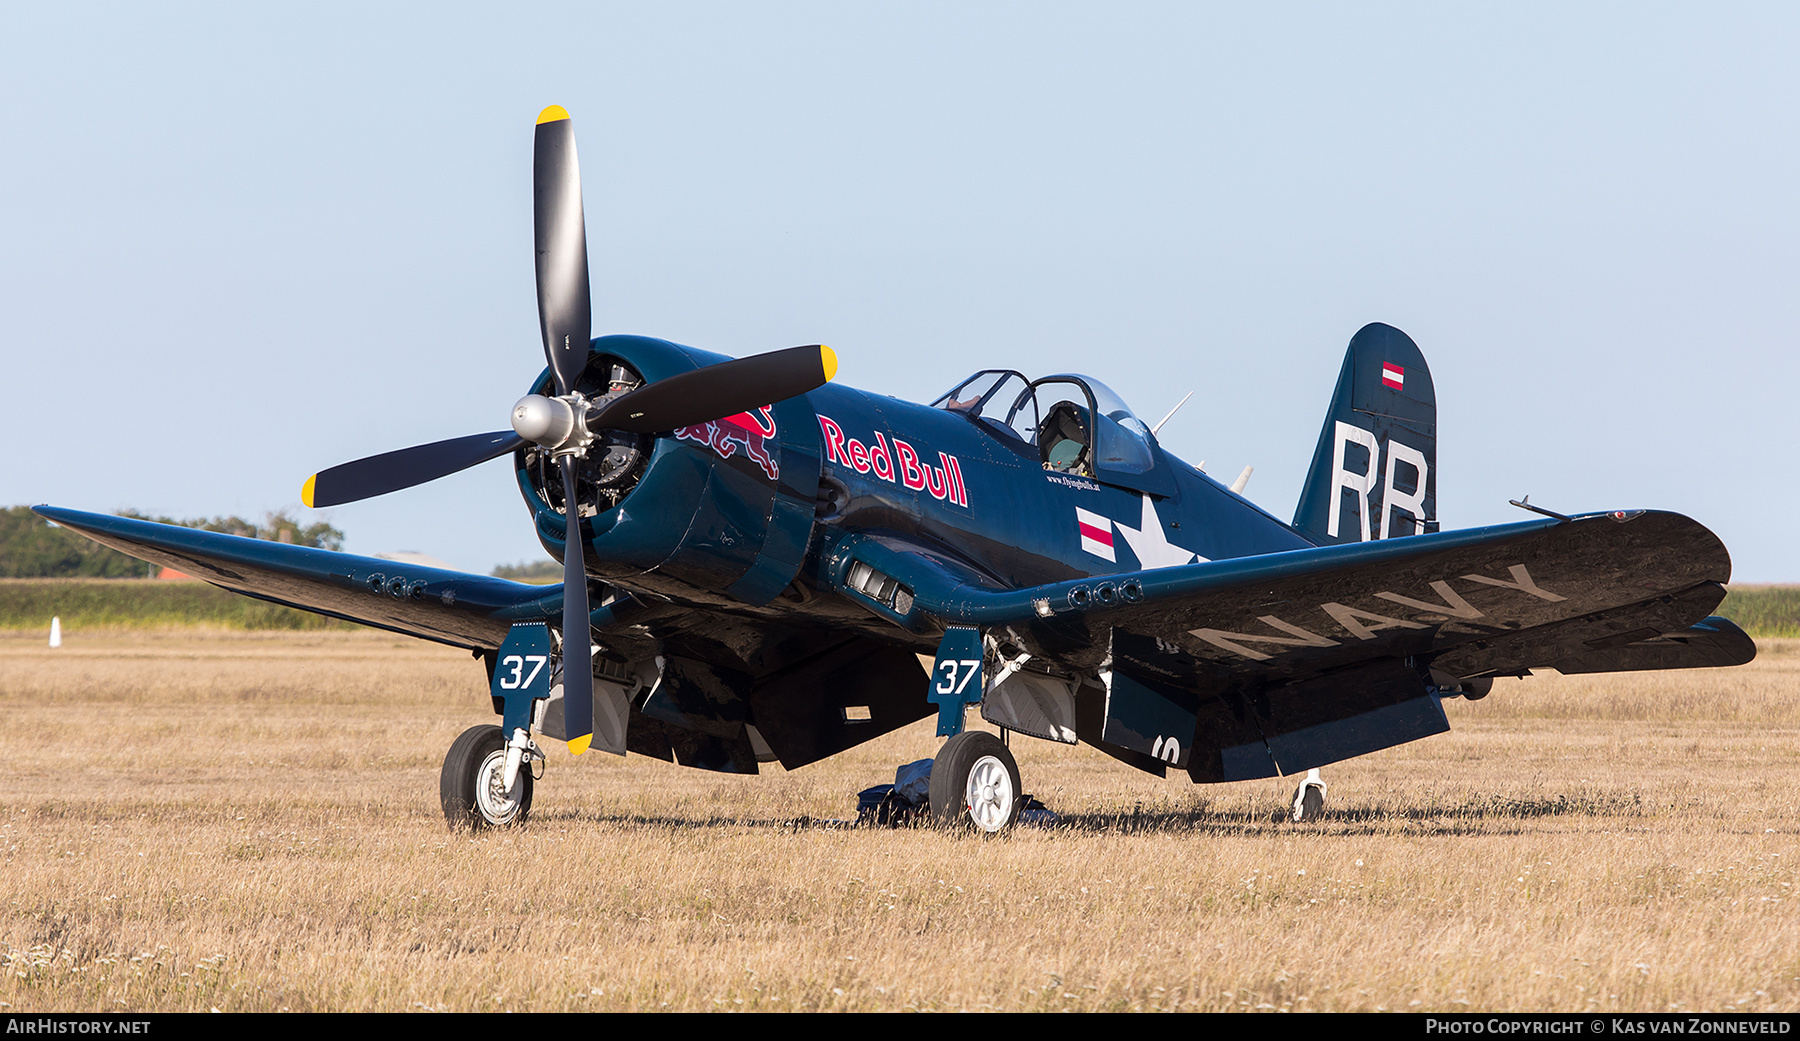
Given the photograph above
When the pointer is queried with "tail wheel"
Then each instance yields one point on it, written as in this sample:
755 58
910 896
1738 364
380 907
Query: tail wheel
975 783
1309 798
472 786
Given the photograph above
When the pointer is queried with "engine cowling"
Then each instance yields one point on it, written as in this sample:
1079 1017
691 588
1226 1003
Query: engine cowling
721 511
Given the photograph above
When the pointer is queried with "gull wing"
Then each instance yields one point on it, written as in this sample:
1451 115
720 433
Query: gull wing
1264 665
463 610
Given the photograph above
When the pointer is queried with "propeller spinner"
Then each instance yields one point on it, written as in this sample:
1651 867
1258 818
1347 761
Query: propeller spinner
566 424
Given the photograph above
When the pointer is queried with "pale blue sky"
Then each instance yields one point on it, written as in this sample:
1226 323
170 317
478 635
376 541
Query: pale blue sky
243 243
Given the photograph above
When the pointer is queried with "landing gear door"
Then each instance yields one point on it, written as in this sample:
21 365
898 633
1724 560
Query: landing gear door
522 669
614 687
956 677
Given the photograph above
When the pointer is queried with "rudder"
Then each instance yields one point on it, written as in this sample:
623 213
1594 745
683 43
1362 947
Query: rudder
1374 472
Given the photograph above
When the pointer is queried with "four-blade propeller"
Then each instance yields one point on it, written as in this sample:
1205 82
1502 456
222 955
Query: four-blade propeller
565 424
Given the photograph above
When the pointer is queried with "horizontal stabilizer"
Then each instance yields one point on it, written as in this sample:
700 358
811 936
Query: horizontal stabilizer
1712 642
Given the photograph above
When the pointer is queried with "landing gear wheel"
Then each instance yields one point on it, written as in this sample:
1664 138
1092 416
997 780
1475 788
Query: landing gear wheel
975 783
472 786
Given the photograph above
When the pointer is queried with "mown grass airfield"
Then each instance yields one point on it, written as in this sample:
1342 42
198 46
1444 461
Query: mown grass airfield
1594 843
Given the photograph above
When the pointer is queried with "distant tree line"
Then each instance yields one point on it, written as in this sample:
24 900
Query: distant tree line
31 547
531 571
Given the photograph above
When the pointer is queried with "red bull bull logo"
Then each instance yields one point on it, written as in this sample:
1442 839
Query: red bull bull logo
751 432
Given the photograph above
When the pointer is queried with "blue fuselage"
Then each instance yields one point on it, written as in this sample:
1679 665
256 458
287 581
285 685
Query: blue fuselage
746 515
1012 518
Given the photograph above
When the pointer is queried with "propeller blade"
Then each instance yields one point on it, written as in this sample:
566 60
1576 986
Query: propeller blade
578 671
717 391
392 471
564 316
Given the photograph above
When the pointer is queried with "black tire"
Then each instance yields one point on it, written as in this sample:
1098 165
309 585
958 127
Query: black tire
975 783
1312 804
469 785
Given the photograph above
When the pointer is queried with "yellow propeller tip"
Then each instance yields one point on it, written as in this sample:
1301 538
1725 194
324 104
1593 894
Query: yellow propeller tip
580 744
828 361
552 114
306 491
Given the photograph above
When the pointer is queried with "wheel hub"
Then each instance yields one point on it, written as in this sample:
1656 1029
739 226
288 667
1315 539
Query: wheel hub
990 794
497 805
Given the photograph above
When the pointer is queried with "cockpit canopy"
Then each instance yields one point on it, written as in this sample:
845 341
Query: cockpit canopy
1076 424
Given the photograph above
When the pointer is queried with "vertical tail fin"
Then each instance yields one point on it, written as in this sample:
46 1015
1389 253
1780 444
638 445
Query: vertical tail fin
1374 474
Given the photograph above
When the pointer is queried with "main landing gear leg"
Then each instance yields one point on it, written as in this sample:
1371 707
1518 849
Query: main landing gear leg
487 777
974 779
1309 798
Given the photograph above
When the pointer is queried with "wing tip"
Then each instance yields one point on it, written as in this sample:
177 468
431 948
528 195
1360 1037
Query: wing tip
52 514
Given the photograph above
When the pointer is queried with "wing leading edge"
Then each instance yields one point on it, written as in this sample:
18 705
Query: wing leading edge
463 610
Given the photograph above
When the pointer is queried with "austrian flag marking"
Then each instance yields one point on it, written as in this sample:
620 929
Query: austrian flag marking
1393 376
1096 534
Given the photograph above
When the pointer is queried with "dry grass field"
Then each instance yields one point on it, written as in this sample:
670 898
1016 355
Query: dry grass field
249 821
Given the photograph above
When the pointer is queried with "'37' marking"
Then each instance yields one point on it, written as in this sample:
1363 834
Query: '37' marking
516 662
952 668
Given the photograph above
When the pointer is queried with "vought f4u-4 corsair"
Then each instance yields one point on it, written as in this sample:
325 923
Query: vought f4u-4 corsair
755 558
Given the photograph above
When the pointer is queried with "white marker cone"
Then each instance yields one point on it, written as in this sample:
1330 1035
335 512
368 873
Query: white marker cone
56 632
